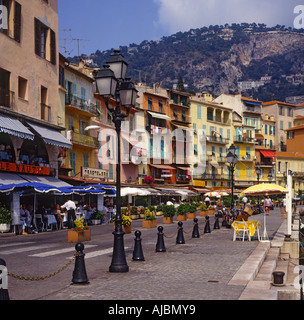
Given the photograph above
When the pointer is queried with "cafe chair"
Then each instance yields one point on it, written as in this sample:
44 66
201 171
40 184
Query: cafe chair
240 230
38 221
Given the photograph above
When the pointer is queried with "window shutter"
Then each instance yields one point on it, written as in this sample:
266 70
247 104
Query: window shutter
17 22
53 47
37 37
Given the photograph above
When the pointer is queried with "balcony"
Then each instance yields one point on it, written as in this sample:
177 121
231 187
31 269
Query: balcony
253 109
243 139
181 118
7 98
86 107
217 139
83 140
246 158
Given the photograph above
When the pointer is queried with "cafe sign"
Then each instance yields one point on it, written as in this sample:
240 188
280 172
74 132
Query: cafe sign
94 173
24 168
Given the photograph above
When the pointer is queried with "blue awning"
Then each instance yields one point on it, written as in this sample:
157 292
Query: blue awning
39 187
51 136
14 127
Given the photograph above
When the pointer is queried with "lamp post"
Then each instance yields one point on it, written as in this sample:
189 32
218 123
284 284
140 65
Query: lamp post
232 160
112 84
258 171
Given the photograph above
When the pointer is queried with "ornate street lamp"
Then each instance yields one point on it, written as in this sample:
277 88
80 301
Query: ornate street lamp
258 171
112 84
232 160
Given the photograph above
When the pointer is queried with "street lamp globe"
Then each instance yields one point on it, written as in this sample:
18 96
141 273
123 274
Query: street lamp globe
232 149
258 169
128 93
232 158
106 81
118 64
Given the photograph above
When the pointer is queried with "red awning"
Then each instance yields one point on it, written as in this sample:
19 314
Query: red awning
162 166
268 154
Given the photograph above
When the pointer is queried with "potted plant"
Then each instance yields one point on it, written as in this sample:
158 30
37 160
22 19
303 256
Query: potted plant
210 210
169 212
159 210
192 211
134 213
203 210
80 233
5 219
142 213
227 202
150 220
96 217
126 223
182 211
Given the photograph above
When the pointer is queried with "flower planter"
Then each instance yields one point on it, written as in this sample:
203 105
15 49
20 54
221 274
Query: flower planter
191 215
5 227
149 223
127 229
159 213
181 217
167 220
211 212
133 216
142 216
79 236
204 213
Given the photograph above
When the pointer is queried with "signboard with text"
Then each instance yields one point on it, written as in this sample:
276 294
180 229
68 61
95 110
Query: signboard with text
94 173
24 168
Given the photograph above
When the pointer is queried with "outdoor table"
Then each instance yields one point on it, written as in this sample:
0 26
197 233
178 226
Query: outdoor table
252 226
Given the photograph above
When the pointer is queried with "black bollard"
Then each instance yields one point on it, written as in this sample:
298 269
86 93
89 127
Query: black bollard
180 234
160 245
3 281
207 225
216 222
195 232
79 273
138 252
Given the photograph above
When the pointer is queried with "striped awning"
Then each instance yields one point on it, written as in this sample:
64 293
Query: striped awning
51 136
14 127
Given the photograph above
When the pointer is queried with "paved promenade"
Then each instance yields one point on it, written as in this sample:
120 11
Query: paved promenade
200 269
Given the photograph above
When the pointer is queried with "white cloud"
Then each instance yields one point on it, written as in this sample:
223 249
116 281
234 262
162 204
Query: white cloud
182 15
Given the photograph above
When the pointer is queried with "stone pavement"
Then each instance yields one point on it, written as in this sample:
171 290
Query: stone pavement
200 269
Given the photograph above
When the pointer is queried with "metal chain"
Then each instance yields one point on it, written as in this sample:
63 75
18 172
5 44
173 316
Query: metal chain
173 235
43 277
190 230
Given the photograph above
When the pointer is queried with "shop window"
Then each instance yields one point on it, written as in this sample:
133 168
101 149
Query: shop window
34 153
6 148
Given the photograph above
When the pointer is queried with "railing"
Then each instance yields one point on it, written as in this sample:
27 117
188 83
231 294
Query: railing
181 118
81 104
217 139
84 140
7 98
244 139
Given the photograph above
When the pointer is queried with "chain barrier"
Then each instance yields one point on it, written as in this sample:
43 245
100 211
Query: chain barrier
204 226
43 277
169 237
190 230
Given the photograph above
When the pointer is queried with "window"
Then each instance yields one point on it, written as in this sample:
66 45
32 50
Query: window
210 114
249 172
72 163
22 88
281 111
199 112
12 16
160 106
281 125
111 175
279 167
228 134
237 171
70 123
270 144
109 117
45 42
289 125
150 108
266 129
61 76
86 160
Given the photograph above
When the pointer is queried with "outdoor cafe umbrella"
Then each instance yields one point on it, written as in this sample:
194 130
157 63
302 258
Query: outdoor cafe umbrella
211 194
264 189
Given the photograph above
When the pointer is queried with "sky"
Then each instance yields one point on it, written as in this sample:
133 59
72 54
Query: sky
103 25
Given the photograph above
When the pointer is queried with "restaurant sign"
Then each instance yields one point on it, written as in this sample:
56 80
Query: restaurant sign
24 168
94 173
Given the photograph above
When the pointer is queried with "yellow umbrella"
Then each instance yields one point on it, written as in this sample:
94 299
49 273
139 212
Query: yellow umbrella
264 189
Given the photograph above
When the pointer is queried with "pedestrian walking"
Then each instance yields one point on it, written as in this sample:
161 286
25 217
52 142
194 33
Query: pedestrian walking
268 204
70 206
